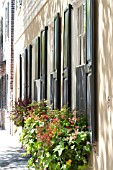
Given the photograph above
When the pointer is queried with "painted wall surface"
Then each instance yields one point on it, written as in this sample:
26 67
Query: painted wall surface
28 26
104 54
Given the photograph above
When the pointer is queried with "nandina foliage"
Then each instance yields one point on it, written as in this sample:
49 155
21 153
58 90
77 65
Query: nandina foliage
55 139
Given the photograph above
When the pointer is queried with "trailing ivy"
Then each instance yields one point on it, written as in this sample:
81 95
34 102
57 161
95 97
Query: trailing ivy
55 139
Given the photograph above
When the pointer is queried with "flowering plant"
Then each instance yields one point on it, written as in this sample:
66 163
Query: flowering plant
56 140
19 111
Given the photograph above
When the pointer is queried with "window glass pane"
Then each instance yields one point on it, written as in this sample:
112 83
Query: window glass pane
82 34
84 15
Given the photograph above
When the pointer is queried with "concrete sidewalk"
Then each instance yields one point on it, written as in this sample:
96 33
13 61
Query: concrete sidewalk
11 153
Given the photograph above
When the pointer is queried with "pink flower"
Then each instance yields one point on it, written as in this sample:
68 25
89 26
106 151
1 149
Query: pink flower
55 120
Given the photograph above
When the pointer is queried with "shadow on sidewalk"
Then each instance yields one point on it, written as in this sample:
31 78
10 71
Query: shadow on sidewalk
12 158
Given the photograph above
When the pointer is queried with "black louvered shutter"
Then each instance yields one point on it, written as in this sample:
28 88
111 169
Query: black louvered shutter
25 73
90 68
20 76
29 72
81 89
1 34
67 58
0 92
55 75
43 61
6 89
37 58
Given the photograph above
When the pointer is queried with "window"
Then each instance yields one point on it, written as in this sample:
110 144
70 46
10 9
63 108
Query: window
56 61
85 75
37 82
7 22
82 33
1 33
80 69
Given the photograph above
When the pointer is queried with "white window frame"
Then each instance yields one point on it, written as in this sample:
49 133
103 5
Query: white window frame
76 4
75 51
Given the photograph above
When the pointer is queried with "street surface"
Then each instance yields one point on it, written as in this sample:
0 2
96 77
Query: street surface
11 153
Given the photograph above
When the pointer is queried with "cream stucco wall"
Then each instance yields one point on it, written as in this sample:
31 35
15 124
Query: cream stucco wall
32 17
104 24
28 25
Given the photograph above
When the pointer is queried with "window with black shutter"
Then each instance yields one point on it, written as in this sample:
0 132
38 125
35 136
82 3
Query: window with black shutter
37 82
1 33
29 71
85 68
67 58
0 92
7 21
20 76
90 61
43 63
55 75
81 68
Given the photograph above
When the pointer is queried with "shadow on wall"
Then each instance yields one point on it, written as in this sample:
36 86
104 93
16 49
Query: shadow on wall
105 83
41 20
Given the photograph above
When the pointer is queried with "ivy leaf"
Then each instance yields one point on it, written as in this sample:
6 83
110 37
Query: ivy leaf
59 148
87 148
84 167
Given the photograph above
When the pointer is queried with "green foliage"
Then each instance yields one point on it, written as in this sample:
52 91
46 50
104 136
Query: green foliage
56 140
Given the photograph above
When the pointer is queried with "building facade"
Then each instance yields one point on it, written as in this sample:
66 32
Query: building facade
6 61
63 53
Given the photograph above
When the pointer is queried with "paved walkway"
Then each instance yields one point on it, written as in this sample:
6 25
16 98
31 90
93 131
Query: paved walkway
11 153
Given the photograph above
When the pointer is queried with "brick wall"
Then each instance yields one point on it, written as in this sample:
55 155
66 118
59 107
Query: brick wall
12 47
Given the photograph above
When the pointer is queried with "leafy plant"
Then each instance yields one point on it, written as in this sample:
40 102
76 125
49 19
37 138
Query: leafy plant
55 139
19 111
